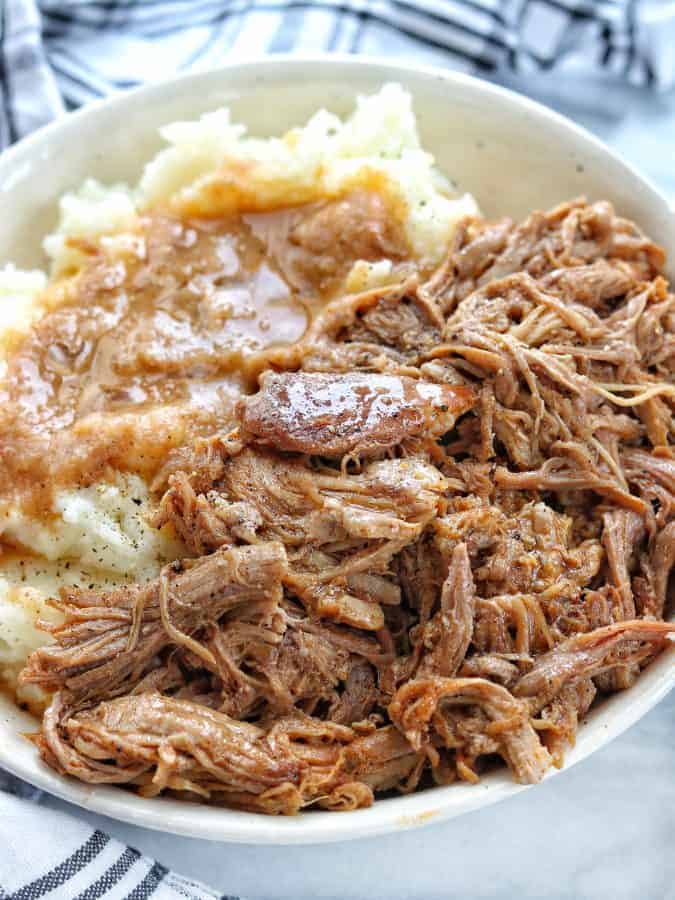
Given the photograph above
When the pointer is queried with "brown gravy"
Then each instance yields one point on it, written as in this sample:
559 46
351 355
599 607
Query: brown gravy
148 348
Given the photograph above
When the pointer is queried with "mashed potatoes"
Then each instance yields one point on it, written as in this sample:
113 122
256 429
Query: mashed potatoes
103 527
99 535
25 586
212 163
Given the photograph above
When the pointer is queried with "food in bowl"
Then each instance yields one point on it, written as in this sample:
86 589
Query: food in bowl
328 486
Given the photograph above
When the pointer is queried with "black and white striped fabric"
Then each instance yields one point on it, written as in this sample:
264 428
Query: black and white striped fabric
56 55
52 856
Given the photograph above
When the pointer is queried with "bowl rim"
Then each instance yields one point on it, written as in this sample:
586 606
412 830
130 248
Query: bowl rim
391 814
257 64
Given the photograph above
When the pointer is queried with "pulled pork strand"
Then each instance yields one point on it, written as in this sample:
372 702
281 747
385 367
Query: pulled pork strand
591 654
447 636
95 651
417 703
333 415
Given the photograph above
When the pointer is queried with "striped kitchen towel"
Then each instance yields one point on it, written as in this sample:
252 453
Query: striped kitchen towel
58 54
53 856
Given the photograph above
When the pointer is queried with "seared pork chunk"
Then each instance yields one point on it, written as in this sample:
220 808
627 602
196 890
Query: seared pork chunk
333 415
447 636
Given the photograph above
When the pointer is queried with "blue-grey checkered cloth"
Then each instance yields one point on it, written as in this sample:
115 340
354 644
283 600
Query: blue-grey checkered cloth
56 55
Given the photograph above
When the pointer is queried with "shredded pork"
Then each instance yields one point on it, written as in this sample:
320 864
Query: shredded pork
442 527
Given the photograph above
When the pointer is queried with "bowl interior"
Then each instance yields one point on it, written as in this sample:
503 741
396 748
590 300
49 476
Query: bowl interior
513 155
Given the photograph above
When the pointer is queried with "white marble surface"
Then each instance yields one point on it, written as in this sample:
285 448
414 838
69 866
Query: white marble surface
605 829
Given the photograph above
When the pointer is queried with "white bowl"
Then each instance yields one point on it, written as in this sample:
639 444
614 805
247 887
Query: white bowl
511 153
